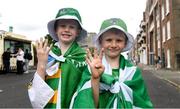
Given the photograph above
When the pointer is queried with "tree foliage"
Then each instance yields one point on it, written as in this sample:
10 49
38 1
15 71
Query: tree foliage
50 40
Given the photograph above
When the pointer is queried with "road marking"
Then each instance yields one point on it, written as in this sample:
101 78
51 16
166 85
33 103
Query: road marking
1 90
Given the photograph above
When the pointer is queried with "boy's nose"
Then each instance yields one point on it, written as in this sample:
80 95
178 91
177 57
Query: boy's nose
66 28
114 44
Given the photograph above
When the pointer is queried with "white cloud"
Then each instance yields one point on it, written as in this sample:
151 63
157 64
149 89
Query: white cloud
30 17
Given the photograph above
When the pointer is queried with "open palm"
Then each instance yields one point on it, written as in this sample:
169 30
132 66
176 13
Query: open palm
42 50
95 63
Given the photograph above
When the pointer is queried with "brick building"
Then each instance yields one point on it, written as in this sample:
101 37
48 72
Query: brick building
159 34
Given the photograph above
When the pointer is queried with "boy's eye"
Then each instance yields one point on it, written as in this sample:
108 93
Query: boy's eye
63 26
119 40
72 26
67 26
108 40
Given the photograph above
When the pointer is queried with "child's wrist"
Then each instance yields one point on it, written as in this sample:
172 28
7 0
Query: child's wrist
42 63
41 67
95 79
41 71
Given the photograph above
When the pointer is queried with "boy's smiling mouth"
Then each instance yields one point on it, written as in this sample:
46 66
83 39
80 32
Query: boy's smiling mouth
113 50
66 35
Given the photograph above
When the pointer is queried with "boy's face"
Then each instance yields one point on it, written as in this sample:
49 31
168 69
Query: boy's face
67 30
113 43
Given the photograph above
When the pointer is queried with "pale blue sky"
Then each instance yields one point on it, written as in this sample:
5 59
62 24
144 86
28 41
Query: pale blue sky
30 17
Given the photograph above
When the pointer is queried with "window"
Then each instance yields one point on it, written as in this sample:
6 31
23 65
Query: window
162 11
7 45
158 38
27 46
157 17
164 34
158 34
159 45
168 59
159 51
167 7
14 45
168 30
158 23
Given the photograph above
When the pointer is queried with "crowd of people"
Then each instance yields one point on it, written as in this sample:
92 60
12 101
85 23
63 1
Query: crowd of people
22 60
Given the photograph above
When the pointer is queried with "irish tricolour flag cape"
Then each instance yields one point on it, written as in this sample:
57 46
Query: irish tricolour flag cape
119 88
64 73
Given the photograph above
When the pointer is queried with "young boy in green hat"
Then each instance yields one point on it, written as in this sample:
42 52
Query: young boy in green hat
59 67
111 81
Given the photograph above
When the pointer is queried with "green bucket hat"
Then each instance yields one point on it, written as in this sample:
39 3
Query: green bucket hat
66 13
118 24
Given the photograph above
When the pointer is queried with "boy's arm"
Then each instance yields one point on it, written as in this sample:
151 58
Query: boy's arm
41 70
39 92
97 68
95 87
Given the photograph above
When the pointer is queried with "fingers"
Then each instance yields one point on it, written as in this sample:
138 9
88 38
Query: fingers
95 53
88 61
41 42
45 44
101 53
98 65
49 48
89 55
37 44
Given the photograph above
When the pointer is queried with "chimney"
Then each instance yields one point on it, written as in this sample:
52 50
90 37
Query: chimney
10 28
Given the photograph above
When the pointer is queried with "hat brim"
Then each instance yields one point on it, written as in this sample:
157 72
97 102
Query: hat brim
129 43
52 32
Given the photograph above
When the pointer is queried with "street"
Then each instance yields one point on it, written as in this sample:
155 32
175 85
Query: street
162 94
13 91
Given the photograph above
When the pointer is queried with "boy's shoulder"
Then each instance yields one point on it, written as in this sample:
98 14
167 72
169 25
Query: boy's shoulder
79 49
128 62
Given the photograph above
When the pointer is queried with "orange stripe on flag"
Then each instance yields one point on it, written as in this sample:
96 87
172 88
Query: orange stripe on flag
56 75
54 98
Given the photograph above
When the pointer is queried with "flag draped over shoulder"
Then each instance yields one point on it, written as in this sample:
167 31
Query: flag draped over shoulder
64 73
119 88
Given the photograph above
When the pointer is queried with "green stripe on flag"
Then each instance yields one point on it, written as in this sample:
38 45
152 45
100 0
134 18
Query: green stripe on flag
50 105
53 83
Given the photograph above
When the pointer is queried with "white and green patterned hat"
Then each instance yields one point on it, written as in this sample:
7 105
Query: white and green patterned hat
66 13
118 24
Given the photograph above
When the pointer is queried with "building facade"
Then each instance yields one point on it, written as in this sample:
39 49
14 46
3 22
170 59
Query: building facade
14 41
159 34
88 41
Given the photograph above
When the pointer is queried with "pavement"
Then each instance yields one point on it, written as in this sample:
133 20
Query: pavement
171 76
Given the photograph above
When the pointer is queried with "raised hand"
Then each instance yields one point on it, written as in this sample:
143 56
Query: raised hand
95 63
97 68
42 50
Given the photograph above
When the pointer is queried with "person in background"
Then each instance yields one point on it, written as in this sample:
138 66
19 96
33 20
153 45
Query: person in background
159 63
27 57
6 60
20 60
